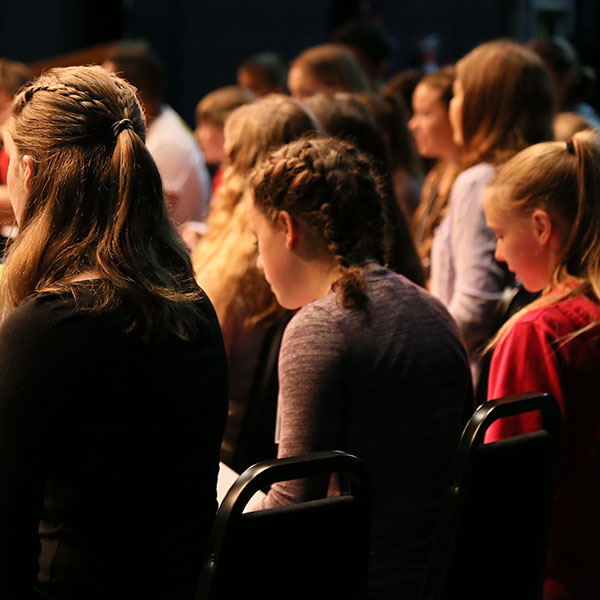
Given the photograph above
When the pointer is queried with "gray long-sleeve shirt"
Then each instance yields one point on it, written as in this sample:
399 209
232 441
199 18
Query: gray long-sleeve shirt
387 384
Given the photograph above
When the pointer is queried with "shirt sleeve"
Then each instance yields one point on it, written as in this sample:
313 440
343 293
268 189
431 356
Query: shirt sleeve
311 388
524 361
479 278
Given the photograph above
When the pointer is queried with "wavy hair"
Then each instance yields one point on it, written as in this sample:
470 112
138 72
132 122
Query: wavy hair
96 204
225 258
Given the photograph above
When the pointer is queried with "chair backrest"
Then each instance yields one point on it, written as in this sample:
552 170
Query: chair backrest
492 536
318 548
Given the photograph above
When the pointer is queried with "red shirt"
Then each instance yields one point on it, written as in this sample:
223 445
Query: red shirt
3 165
536 356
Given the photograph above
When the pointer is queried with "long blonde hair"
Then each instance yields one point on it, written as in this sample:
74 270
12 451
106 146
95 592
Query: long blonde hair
95 204
563 178
225 259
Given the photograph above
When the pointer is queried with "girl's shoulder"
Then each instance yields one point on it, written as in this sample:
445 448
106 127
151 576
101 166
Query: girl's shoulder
478 173
562 317
469 187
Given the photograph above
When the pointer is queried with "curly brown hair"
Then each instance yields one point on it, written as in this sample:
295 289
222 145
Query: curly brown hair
332 188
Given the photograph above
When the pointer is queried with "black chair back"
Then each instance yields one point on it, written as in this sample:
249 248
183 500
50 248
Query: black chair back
318 548
492 536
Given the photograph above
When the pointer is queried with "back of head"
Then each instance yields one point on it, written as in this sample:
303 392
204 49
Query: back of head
94 195
331 188
391 114
268 73
567 124
403 84
573 82
347 117
562 178
557 53
225 258
370 41
508 101
334 67
143 69
216 106
13 75
254 130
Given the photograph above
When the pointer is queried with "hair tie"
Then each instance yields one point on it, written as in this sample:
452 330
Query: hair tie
571 147
121 125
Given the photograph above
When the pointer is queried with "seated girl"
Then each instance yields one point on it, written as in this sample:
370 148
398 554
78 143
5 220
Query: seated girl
502 103
371 364
225 265
113 375
544 207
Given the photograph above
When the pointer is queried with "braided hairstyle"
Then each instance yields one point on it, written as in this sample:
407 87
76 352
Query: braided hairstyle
95 204
331 187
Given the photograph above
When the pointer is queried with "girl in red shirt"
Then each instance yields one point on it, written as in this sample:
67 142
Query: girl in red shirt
544 207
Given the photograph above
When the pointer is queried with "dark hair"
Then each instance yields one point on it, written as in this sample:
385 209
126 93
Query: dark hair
331 187
561 58
391 114
143 69
269 66
346 116
96 204
370 40
13 75
403 84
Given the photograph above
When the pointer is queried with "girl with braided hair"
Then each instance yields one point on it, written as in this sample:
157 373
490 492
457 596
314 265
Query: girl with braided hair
544 207
113 378
371 363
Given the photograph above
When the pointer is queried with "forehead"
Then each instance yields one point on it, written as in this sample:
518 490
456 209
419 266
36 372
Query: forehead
495 202
426 94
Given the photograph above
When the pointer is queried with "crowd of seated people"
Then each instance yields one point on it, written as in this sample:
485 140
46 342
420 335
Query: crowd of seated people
364 231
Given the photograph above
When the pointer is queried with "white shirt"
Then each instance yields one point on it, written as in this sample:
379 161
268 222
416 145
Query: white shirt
181 165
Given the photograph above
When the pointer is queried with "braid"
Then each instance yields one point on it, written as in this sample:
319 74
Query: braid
332 187
86 106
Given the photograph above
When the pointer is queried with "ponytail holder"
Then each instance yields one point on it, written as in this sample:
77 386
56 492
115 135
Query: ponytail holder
121 125
571 147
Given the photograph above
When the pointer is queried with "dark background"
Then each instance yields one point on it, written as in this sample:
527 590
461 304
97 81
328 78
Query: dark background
203 41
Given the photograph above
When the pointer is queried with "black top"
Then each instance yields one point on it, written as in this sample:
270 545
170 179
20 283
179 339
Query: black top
109 445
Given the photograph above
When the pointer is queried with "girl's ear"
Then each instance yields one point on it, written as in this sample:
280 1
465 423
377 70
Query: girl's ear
289 228
27 171
542 226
